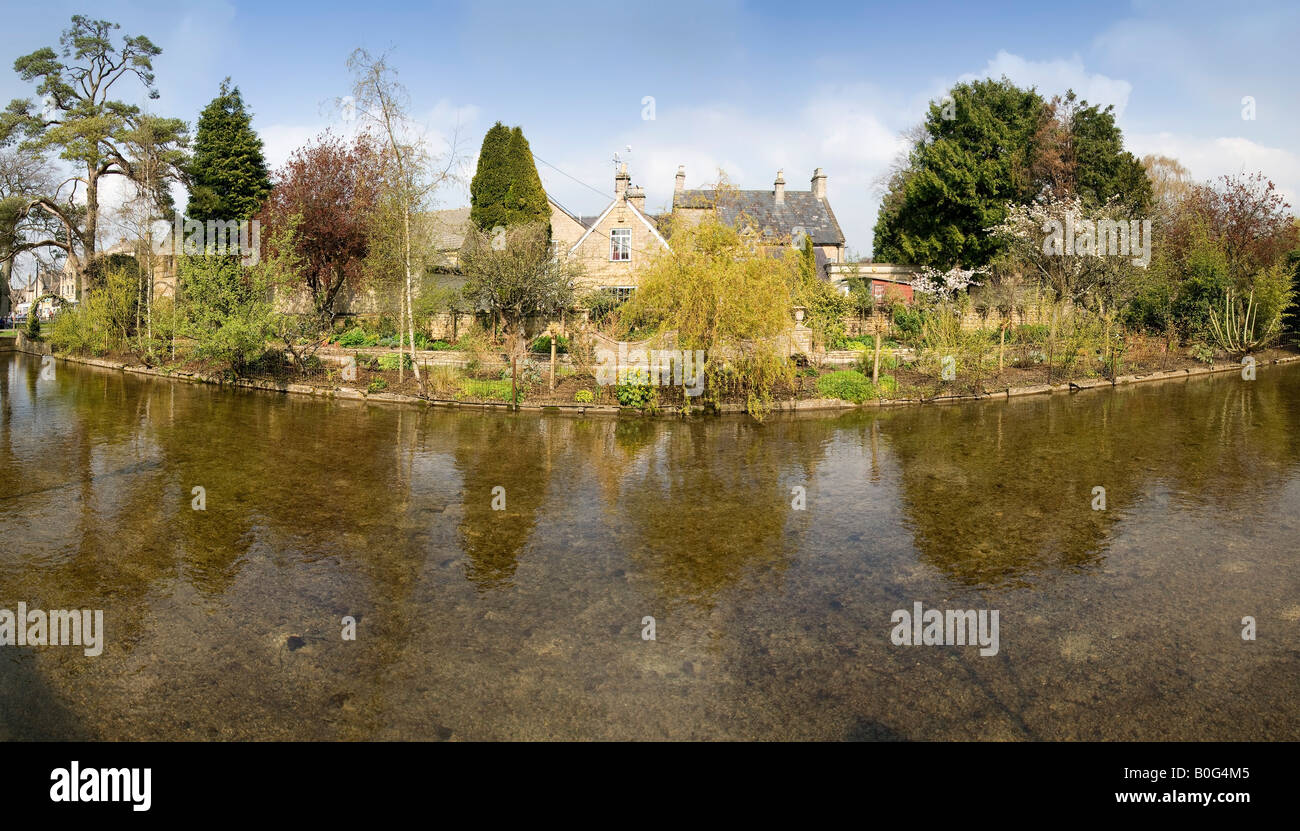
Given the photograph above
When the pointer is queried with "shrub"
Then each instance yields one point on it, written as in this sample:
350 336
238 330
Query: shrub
584 397
888 386
377 385
542 345
493 389
353 338
635 395
443 380
907 322
392 362
33 329
847 385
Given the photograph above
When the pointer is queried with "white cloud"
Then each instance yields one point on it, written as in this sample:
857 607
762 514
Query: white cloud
1209 158
1056 76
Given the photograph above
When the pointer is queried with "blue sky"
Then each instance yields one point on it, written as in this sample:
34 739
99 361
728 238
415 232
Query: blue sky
746 87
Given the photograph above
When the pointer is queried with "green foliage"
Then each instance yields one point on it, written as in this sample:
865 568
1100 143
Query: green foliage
846 385
103 321
887 386
377 385
228 173
357 336
506 189
958 181
907 322
600 304
825 305
584 397
390 363
33 328
639 396
227 309
542 345
990 144
498 390
526 201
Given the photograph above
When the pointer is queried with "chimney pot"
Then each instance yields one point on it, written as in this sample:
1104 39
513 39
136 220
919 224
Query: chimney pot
681 179
819 184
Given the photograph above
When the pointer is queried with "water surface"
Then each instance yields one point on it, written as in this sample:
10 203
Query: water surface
771 622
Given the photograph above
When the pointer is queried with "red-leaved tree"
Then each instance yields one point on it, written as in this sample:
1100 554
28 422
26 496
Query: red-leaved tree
329 190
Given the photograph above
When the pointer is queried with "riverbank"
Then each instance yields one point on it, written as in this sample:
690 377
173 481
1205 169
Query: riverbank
21 343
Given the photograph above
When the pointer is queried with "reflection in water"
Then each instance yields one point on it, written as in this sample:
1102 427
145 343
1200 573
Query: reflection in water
771 621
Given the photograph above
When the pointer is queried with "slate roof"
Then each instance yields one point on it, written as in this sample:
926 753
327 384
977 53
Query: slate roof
800 209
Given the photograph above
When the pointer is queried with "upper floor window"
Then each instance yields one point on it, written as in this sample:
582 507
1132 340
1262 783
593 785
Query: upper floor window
620 244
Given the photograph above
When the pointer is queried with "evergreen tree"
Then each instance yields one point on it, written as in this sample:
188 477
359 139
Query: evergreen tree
993 144
506 189
229 179
490 187
526 201
974 159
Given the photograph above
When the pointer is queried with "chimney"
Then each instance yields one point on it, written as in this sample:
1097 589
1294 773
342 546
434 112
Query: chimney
636 197
819 184
681 179
779 191
621 180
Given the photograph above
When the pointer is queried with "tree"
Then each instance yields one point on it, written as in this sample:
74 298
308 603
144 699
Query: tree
329 190
407 184
78 118
490 187
960 177
22 174
517 280
994 145
506 189
228 174
526 202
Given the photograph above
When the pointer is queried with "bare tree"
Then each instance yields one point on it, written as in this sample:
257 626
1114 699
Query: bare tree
412 175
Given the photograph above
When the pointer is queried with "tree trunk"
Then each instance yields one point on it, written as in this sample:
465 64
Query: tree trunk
875 366
410 298
514 378
1002 348
92 226
553 339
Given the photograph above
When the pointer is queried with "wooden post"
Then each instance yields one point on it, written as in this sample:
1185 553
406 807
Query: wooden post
875 367
1002 346
514 378
554 337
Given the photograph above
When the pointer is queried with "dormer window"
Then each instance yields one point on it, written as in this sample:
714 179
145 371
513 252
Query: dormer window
620 244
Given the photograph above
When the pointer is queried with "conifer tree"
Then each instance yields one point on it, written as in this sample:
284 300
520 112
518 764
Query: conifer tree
229 179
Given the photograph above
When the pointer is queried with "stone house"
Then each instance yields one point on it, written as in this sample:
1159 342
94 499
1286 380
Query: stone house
778 216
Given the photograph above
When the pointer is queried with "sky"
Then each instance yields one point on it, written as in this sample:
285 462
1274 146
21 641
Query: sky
741 87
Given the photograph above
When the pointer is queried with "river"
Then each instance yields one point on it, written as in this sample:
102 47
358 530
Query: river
772 608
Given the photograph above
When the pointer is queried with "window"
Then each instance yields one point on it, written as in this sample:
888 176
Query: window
620 244
622 293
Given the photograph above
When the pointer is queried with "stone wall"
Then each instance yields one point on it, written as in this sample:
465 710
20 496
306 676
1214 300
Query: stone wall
971 320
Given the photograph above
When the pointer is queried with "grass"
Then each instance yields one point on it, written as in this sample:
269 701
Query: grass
476 388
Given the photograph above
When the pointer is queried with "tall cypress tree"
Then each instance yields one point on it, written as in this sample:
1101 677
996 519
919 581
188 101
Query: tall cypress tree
490 187
229 179
527 198
506 189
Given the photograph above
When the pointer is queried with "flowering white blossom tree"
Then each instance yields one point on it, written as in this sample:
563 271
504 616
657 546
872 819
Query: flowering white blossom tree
943 285
1074 251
